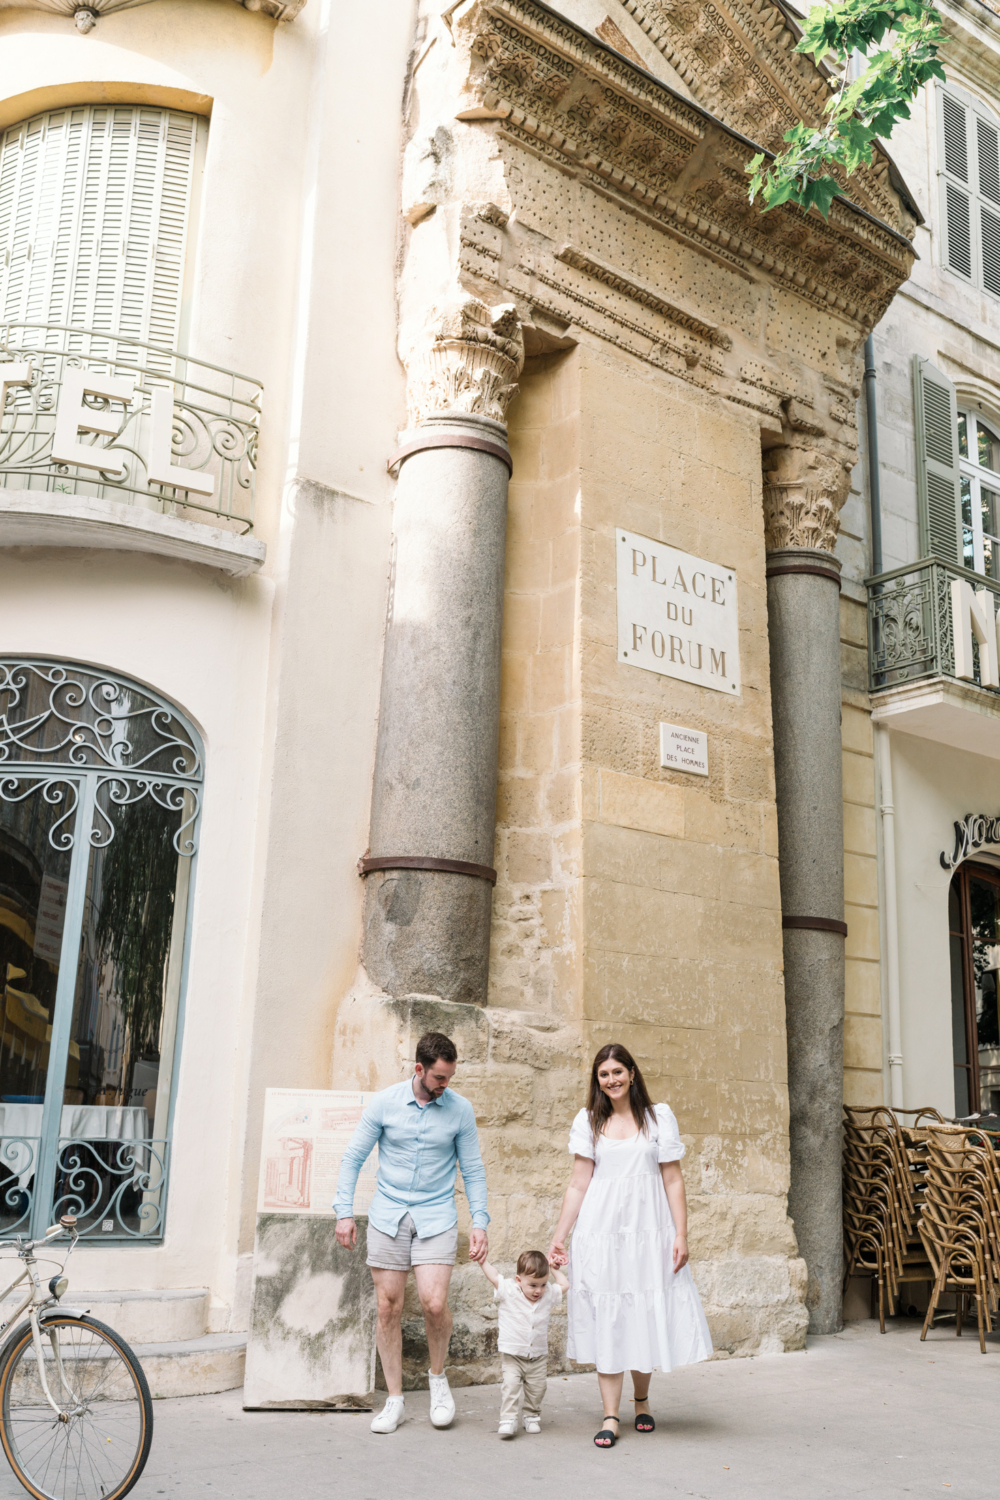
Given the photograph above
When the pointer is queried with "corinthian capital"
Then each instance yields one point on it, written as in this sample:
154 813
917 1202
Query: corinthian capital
465 359
804 490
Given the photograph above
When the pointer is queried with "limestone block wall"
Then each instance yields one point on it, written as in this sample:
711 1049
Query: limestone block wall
634 903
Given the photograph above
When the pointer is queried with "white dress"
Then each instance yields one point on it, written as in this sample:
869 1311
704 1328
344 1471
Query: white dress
628 1309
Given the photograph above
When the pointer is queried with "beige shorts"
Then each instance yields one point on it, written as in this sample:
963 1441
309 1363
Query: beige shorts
399 1252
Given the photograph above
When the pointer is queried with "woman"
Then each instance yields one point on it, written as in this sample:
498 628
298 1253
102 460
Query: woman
632 1301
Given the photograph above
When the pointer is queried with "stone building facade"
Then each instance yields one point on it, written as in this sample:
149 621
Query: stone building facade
924 1035
527 316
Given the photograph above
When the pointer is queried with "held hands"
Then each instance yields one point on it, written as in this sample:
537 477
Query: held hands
479 1246
347 1233
680 1253
556 1254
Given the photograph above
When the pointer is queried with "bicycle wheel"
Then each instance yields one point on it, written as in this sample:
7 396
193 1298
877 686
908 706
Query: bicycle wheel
97 1446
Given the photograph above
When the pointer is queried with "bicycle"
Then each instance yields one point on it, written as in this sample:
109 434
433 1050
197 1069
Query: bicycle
76 1416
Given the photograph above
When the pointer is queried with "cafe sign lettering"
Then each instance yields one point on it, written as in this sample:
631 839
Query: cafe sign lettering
975 830
677 614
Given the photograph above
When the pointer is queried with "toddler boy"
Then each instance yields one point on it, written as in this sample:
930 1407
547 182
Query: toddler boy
525 1306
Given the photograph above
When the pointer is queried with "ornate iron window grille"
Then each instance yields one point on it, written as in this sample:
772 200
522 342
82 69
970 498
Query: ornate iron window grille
89 744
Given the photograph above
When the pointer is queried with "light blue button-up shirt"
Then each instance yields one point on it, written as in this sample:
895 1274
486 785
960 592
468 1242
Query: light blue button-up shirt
418 1151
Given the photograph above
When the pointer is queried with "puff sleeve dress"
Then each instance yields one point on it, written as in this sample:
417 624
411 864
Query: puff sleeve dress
628 1310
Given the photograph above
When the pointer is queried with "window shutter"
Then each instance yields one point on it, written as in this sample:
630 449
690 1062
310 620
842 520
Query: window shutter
938 486
94 209
990 231
989 160
958 230
957 204
956 144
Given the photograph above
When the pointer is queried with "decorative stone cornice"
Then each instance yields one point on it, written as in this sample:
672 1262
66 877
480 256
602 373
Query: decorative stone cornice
87 13
645 295
466 359
554 91
738 58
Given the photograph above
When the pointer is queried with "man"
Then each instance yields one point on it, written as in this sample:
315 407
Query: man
422 1131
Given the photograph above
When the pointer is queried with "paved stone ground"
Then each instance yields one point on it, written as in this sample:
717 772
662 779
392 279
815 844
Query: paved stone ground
856 1415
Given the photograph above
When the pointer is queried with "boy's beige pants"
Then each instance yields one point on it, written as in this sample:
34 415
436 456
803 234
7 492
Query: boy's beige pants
519 1373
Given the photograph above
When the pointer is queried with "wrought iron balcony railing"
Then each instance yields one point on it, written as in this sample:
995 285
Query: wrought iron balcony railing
910 632
90 414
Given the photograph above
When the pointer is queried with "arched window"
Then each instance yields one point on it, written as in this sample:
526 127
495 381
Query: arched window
974 925
100 794
979 468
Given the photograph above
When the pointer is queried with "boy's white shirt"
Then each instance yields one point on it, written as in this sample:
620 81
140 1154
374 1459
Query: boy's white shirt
524 1325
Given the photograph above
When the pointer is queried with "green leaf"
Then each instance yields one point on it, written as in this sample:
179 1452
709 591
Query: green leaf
858 111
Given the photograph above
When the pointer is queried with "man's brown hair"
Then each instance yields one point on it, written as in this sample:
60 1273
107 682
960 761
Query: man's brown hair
532 1263
433 1045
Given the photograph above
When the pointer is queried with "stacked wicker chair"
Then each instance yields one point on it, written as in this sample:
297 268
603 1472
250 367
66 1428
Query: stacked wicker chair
883 1194
960 1223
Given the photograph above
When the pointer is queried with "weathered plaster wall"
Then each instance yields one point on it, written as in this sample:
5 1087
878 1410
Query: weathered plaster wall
863 1042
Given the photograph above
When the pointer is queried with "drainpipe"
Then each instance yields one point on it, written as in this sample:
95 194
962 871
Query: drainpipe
871 423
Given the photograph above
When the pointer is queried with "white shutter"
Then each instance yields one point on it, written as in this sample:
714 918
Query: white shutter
989 160
938 487
956 146
958 230
953 142
94 208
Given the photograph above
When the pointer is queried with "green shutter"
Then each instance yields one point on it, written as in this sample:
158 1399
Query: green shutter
938 484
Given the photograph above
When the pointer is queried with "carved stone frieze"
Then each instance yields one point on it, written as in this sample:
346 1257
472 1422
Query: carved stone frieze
799 516
466 359
738 58
551 91
804 490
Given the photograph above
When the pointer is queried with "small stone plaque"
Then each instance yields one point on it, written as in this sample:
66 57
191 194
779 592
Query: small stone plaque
683 749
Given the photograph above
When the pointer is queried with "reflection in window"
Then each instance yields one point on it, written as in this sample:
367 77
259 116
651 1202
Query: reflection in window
980 480
98 806
974 921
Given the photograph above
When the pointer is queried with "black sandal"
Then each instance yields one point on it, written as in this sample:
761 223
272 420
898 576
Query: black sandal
606 1432
643 1417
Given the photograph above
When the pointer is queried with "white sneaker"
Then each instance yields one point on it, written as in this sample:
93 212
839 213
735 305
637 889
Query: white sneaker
507 1429
391 1415
532 1424
442 1401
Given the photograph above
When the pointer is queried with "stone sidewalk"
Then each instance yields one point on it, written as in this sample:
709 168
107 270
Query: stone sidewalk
856 1415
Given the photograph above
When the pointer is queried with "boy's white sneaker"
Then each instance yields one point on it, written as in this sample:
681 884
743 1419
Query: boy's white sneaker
391 1415
532 1424
442 1401
507 1429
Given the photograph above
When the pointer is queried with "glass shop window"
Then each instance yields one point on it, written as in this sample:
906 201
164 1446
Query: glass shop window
974 930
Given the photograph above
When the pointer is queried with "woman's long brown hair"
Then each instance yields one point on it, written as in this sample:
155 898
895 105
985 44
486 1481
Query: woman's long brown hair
599 1106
